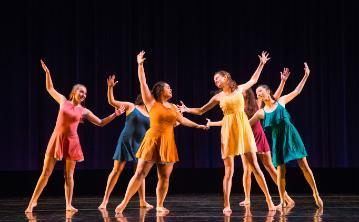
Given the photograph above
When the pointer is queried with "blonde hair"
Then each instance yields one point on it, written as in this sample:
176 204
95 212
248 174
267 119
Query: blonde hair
74 88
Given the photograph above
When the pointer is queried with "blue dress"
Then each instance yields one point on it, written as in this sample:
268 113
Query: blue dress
131 136
286 142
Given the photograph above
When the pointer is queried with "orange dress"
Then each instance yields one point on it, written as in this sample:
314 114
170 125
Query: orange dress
159 144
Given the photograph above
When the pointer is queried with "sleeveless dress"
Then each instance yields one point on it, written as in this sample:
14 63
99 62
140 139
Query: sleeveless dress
159 144
236 133
64 141
286 142
260 138
131 136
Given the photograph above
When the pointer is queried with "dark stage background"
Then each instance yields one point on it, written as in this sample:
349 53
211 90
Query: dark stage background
185 43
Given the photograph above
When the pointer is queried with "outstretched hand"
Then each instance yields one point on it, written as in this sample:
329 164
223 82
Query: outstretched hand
285 74
263 58
203 127
120 110
140 57
44 67
208 124
111 81
183 108
306 69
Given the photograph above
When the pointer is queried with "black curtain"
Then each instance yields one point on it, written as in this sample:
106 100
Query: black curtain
185 43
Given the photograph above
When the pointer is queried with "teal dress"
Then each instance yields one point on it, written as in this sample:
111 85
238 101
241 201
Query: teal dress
131 136
286 142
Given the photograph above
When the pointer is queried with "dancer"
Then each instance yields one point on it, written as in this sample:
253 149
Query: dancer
64 142
251 106
137 123
236 134
286 142
158 146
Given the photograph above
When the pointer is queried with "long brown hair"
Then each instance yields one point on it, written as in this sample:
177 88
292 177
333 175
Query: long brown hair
250 103
232 84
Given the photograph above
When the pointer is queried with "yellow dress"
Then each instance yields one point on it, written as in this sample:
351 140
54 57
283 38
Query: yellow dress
236 133
159 144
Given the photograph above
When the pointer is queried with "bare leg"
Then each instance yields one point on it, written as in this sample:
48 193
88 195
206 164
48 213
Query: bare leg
142 193
69 183
49 164
267 162
111 181
227 182
281 171
142 170
163 172
308 174
247 181
252 160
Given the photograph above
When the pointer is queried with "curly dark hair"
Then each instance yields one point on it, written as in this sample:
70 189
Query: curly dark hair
157 89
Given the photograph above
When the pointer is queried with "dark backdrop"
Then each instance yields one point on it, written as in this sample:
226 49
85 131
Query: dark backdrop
185 43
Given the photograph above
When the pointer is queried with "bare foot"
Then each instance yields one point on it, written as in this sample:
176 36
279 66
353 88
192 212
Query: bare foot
271 205
120 217
227 213
318 200
103 205
290 202
104 212
70 213
144 204
162 209
30 216
30 207
119 209
245 203
161 214
227 210
282 204
71 208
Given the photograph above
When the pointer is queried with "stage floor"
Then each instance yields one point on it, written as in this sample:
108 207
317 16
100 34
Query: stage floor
187 207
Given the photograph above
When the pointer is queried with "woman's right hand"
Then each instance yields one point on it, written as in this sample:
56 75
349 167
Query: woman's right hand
111 81
44 67
140 58
285 74
183 108
208 124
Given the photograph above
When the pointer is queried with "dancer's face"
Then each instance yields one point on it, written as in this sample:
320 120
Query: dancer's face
262 93
167 91
80 94
220 80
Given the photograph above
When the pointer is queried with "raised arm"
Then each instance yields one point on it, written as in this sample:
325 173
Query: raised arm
147 96
50 87
283 78
102 122
199 111
111 99
257 116
287 98
263 58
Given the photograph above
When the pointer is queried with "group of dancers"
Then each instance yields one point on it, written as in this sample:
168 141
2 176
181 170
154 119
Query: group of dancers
147 138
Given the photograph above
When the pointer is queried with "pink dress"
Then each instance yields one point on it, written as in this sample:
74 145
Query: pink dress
260 138
64 141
